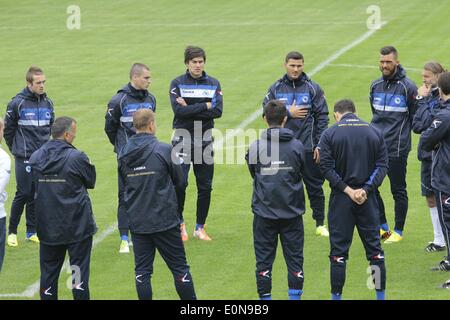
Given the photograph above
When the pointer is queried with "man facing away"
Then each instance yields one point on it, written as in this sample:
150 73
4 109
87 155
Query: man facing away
353 181
151 172
28 120
276 163
64 217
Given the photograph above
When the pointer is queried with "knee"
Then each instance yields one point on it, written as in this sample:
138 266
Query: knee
143 278
183 278
296 279
338 260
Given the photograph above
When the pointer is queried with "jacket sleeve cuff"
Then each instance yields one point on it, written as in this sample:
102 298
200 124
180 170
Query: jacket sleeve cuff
341 186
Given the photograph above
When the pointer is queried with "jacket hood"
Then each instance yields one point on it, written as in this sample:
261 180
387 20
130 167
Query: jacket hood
399 74
444 104
303 78
53 156
283 134
28 95
133 92
139 148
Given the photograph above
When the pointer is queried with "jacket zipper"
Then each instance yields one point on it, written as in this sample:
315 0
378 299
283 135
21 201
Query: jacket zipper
399 137
21 132
384 107
39 100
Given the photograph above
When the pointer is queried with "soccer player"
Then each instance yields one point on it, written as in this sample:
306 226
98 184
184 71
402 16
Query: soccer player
119 128
64 217
5 172
196 100
353 181
276 163
393 102
428 104
150 172
28 119
437 139
307 113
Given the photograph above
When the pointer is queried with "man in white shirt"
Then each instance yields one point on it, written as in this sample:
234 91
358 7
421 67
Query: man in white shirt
5 172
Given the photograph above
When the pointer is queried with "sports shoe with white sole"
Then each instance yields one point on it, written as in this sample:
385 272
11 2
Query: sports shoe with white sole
201 234
12 240
124 246
394 238
322 231
32 238
432 247
444 265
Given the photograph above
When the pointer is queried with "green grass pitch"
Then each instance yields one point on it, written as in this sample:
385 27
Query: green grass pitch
245 42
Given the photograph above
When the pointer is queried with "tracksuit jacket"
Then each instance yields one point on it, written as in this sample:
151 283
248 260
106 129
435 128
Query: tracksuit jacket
437 139
307 94
394 104
195 92
426 110
353 153
27 122
62 175
150 176
277 176
119 116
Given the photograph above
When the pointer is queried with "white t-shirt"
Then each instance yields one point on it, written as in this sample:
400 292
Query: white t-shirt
5 172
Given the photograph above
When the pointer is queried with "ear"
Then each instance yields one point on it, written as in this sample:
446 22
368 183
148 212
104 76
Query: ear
336 116
152 127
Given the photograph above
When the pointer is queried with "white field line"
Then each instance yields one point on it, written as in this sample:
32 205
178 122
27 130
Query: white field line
257 113
32 289
187 25
364 66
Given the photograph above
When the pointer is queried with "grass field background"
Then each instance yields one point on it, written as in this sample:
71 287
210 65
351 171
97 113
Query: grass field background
245 42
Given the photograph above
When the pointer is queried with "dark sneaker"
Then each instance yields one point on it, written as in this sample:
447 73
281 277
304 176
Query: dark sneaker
444 265
445 285
432 247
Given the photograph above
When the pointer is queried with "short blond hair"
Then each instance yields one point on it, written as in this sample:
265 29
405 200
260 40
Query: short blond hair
142 118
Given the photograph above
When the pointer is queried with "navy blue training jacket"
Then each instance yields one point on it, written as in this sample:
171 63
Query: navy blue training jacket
426 110
27 122
195 92
277 174
353 153
150 176
119 116
437 139
394 104
307 94
62 175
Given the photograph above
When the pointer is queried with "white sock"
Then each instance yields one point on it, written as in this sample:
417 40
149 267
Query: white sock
438 236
